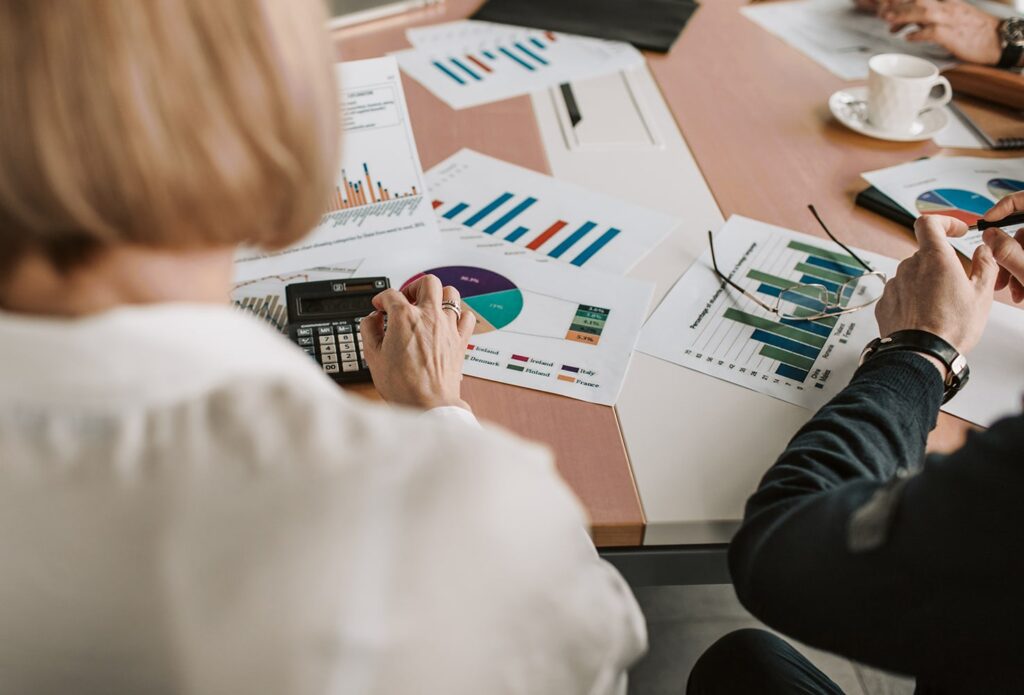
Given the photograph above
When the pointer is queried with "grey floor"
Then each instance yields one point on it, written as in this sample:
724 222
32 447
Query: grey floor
683 621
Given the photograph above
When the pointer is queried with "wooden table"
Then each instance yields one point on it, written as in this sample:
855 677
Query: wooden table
754 113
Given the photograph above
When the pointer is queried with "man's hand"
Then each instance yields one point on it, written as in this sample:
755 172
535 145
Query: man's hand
417 361
1009 253
962 29
931 292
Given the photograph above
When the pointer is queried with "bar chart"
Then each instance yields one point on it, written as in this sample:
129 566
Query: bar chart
526 54
468 63
542 215
378 193
707 325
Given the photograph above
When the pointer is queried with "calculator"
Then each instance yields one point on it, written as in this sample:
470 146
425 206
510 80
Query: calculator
324 318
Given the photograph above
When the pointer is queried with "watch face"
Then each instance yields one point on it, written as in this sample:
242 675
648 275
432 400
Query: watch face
1013 31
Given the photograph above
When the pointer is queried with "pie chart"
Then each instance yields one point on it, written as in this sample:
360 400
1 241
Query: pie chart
954 202
1001 188
494 298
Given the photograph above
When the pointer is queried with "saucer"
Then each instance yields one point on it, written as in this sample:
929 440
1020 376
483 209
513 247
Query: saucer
850 107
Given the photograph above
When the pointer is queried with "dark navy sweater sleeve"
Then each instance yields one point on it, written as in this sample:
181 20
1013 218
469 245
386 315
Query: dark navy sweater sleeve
858 543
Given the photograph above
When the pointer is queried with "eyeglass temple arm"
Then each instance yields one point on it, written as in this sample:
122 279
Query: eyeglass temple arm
833 238
727 280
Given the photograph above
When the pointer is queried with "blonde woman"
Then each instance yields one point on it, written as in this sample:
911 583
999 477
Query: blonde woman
187 505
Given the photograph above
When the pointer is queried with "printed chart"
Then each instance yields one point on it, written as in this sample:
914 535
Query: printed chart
545 327
265 299
705 325
378 196
538 214
960 187
468 63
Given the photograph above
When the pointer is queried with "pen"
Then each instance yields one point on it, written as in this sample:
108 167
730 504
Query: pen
1009 221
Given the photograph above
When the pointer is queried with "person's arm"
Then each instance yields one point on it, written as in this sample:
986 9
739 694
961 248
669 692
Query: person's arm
839 549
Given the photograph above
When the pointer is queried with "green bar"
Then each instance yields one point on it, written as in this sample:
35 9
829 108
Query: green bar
824 274
595 309
593 323
516 367
798 361
829 321
823 254
580 328
774 281
780 329
592 315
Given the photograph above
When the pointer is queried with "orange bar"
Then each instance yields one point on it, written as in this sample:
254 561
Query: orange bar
578 337
478 63
369 184
380 190
414 190
551 37
351 192
547 234
563 377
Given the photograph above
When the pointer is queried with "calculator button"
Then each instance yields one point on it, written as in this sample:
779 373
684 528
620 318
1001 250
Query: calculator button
349 366
346 339
344 328
327 340
311 352
364 364
324 330
305 342
328 348
331 368
328 357
303 332
348 356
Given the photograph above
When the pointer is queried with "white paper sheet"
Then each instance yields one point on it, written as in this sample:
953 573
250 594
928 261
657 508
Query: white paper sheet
996 384
468 63
957 134
380 198
961 187
836 35
527 212
719 331
542 326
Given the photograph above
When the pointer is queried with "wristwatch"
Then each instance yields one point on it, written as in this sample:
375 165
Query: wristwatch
1011 36
957 371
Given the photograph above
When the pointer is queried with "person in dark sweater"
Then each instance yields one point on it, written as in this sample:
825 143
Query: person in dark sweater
859 543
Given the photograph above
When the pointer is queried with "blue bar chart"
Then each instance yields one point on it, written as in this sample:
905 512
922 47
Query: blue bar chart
709 326
537 213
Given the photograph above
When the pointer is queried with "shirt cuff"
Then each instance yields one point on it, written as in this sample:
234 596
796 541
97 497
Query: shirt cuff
454 413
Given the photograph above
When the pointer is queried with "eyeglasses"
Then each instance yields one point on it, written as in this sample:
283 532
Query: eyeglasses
839 286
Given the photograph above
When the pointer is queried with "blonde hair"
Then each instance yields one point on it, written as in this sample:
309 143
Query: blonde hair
164 123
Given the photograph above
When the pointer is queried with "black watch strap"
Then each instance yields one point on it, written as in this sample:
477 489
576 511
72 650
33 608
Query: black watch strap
957 370
1011 56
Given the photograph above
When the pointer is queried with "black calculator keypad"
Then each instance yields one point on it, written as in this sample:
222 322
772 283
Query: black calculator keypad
336 345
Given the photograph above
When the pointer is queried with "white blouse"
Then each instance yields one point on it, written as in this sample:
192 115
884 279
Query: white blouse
187 505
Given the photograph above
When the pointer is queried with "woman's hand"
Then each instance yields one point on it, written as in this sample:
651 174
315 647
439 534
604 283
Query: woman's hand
1009 252
417 361
962 29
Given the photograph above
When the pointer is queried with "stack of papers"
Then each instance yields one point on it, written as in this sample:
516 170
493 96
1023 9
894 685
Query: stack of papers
468 63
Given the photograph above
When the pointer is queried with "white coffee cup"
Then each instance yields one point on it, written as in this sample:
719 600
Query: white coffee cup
899 90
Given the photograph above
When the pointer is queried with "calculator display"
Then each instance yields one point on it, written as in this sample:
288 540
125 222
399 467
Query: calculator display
315 306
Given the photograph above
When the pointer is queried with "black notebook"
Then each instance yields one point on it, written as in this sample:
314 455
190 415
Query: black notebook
648 24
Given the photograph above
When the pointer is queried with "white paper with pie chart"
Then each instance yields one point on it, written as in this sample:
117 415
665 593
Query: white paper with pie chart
964 188
544 326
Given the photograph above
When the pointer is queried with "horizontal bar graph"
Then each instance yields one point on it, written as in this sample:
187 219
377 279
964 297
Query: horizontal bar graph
796 344
525 54
353 193
578 246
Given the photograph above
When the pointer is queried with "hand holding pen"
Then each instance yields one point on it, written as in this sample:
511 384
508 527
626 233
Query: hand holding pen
1008 251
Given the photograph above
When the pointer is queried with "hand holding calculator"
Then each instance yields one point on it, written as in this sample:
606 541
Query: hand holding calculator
324 318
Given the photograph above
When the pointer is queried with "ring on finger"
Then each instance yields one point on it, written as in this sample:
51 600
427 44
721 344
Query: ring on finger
454 307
